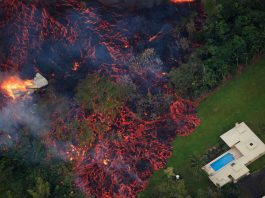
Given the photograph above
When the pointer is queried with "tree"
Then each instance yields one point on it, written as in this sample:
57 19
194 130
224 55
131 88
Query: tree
232 34
74 130
239 48
187 79
184 43
181 191
190 28
230 191
101 95
214 193
41 190
197 162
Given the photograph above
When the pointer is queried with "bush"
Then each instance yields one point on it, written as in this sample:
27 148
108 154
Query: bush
187 79
233 34
100 95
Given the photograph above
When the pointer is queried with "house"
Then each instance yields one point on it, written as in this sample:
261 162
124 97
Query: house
245 148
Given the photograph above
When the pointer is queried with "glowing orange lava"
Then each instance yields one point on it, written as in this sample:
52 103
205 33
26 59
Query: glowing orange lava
106 162
14 86
181 1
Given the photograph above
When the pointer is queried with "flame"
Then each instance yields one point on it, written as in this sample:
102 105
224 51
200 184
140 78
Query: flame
14 85
181 1
106 162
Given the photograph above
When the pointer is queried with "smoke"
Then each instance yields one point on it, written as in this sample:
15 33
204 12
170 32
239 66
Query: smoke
132 3
15 116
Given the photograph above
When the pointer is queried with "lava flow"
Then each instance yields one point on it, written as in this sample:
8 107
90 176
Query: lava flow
120 168
69 39
181 1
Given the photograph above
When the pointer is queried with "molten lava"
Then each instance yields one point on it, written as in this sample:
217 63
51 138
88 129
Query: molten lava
181 1
14 86
67 38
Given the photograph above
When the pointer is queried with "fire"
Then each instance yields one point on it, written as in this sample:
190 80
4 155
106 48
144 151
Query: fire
181 1
105 162
14 86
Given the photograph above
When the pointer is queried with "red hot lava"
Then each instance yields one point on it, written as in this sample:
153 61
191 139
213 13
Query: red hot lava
181 1
121 167
110 167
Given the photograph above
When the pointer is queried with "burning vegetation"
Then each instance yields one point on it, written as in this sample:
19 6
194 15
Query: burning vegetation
14 87
120 119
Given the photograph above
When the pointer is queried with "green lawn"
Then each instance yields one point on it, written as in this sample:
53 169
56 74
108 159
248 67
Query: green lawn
241 99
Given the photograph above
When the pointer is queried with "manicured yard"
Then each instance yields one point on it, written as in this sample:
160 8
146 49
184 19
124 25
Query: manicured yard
241 99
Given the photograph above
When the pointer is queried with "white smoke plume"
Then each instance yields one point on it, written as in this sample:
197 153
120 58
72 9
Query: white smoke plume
15 115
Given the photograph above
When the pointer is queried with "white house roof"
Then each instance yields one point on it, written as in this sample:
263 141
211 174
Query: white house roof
39 81
245 146
235 134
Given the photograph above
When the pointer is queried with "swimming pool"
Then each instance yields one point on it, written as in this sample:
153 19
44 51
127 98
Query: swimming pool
221 162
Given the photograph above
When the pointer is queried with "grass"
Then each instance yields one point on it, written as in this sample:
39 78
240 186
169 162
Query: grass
241 99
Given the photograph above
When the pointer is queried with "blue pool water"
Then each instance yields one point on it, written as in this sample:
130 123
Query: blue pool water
221 162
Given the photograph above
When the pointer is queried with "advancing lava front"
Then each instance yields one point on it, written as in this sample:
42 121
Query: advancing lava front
65 41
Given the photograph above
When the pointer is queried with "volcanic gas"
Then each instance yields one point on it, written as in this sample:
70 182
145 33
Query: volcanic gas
67 40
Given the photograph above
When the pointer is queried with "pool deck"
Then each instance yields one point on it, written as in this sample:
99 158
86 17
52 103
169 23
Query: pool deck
245 146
